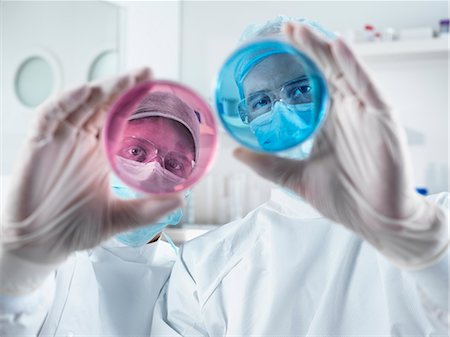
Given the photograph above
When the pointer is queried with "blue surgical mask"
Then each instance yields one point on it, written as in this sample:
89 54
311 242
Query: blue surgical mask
284 126
299 152
142 235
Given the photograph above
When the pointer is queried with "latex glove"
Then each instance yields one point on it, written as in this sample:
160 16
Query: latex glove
60 200
359 171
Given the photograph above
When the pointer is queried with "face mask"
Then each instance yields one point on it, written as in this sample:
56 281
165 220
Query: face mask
148 174
142 235
299 152
284 126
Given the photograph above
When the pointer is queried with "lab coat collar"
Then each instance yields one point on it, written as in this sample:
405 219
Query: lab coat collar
144 254
293 205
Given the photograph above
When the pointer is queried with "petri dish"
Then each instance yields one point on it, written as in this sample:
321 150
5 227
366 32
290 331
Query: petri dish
270 96
160 137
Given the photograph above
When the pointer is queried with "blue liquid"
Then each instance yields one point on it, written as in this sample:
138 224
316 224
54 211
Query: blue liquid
269 66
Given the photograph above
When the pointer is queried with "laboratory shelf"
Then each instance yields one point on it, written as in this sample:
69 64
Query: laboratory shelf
424 47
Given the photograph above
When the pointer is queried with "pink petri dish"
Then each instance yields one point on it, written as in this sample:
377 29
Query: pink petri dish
160 137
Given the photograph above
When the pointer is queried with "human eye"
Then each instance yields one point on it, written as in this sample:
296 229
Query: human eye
134 149
299 88
258 102
178 164
174 166
136 153
299 91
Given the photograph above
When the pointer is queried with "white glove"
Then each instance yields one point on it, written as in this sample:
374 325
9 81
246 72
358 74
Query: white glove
359 171
60 199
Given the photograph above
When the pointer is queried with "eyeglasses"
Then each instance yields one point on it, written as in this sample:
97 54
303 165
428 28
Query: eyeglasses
144 151
297 91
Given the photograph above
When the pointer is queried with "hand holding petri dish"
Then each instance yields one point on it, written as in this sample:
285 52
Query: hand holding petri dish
160 137
270 96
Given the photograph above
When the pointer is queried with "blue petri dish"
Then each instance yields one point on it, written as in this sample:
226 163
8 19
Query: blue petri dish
270 96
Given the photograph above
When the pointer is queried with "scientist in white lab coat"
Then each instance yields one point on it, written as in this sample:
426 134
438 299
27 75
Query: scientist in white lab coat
378 266
62 207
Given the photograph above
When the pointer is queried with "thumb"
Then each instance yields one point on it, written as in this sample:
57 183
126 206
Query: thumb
127 214
281 171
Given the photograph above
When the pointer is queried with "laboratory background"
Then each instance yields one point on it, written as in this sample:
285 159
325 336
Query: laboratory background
49 46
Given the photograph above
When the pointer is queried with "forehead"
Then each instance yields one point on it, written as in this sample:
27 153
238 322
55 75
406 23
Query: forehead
165 133
272 73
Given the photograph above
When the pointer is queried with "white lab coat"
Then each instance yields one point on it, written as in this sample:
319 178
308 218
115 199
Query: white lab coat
284 270
109 291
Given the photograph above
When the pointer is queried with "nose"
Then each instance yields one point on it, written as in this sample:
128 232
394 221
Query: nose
158 159
277 103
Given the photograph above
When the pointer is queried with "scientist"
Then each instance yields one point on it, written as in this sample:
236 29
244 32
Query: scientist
61 208
376 265
282 270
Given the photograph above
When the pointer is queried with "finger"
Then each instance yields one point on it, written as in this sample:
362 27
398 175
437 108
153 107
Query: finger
316 47
52 112
103 94
282 171
96 121
127 214
319 50
114 87
143 74
356 74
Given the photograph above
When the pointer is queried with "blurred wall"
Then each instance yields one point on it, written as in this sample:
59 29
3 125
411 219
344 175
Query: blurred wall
153 36
69 35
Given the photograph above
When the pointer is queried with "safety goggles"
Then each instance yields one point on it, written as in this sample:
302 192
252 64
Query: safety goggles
144 151
297 91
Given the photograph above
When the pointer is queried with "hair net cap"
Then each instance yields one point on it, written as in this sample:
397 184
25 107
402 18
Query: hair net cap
268 29
165 104
273 28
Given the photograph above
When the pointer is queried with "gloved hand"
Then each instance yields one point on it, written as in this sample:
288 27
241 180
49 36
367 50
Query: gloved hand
60 199
359 172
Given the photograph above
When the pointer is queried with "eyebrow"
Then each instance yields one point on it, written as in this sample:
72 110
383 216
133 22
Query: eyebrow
303 77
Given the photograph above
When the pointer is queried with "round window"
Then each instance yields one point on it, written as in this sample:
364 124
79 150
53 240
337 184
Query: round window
104 65
35 81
